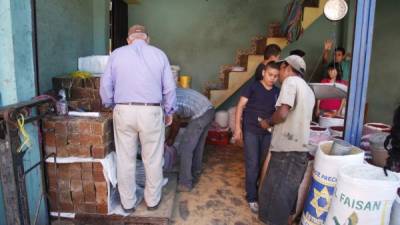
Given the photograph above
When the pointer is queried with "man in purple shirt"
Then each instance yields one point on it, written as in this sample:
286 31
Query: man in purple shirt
138 83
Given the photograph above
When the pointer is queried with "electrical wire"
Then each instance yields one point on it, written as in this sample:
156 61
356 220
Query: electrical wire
26 140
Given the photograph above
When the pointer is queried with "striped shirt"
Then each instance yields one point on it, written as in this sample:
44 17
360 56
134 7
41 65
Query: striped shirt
190 103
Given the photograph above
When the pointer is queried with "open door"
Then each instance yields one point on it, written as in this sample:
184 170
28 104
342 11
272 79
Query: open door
119 23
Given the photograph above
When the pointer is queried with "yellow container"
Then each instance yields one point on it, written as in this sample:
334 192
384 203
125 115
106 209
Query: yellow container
185 81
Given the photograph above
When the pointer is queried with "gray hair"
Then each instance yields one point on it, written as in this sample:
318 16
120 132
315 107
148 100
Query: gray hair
141 36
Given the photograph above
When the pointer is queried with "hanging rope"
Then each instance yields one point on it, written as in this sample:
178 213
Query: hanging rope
26 140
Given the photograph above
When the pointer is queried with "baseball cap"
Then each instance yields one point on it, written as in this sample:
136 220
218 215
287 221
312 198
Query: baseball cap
296 62
135 29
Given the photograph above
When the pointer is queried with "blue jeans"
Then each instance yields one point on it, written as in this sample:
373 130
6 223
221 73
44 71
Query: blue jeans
192 147
255 151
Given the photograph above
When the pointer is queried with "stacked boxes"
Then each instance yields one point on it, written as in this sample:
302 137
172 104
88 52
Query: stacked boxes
80 185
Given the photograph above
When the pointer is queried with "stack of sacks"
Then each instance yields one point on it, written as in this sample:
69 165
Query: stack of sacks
77 179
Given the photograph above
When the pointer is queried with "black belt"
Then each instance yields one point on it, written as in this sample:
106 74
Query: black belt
140 103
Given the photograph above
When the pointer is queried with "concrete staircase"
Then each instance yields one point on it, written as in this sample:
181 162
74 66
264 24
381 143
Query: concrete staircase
249 59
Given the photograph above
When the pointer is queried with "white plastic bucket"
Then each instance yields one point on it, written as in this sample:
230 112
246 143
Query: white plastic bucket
222 118
371 128
363 195
336 131
395 214
324 179
232 118
325 121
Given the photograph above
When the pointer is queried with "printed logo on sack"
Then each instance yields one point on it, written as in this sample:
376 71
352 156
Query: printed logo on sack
319 199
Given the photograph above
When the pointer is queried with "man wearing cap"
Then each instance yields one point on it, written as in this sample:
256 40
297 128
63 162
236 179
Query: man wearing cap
291 122
138 83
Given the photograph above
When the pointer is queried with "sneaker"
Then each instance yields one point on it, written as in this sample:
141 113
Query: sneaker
128 211
152 208
253 207
184 188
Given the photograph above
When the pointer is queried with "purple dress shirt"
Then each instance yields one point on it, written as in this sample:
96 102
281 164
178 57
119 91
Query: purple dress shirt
138 73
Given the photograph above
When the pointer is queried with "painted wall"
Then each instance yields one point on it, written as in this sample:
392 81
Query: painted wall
67 30
17 82
383 88
201 35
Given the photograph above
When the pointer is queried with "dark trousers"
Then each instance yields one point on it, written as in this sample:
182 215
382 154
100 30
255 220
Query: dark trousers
255 151
192 147
279 190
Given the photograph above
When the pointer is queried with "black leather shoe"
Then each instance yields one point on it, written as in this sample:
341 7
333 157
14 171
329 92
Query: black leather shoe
154 207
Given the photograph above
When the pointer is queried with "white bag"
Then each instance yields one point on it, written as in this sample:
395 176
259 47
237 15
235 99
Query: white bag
371 128
95 64
395 215
363 196
222 118
324 179
331 121
336 131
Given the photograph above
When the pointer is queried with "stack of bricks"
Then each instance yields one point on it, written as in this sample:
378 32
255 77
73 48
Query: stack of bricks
82 93
81 186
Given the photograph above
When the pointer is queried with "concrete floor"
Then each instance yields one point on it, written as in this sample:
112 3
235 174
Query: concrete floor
219 197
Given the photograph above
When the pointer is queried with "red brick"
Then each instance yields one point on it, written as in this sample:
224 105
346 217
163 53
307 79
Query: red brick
84 127
89 191
97 167
61 140
74 139
84 151
87 166
61 127
64 185
48 124
98 128
66 207
102 208
98 176
101 151
77 197
85 140
76 185
101 192
65 197
51 182
73 150
89 207
62 151
87 176
73 126
50 149
75 174
50 139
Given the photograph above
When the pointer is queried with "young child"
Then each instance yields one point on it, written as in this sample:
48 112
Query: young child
257 102
332 106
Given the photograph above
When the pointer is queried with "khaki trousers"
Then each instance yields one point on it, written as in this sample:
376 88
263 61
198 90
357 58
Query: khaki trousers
131 124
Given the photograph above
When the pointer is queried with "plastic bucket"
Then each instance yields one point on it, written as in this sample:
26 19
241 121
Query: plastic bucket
222 118
336 131
325 121
395 214
371 128
185 81
324 179
363 195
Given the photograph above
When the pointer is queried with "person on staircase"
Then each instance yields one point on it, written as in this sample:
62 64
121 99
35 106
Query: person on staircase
138 84
271 53
289 153
257 102
339 57
195 109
